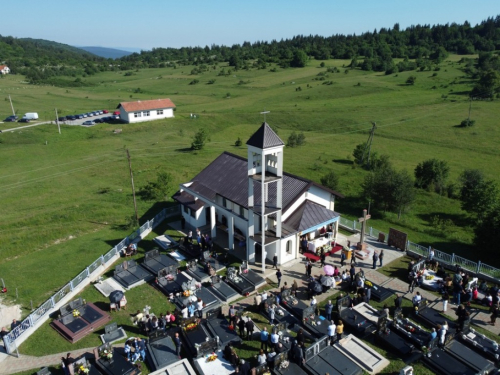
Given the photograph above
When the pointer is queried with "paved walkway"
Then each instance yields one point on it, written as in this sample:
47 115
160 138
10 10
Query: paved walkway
294 270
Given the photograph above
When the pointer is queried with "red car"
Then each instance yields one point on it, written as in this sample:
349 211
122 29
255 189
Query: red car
116 113
105 111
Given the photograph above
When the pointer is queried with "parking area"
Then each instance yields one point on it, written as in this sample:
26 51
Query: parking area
90 120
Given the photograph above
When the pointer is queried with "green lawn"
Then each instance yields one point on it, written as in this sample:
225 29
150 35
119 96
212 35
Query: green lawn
66 198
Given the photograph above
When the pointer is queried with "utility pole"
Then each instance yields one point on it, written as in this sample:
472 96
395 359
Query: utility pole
133 188
11 106
368 146
470 107
57 121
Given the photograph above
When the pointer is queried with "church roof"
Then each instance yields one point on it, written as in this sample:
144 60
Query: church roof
265 137
309 215
227 176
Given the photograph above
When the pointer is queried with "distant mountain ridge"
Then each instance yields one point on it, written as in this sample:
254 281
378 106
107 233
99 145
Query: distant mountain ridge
108 53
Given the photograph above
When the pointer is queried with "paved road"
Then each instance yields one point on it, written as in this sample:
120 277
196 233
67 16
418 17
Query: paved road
75 122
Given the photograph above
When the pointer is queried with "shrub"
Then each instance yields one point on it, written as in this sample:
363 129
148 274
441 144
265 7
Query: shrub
194 82
467 123
238 142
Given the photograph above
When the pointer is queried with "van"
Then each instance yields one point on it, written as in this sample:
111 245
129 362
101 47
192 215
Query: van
31 116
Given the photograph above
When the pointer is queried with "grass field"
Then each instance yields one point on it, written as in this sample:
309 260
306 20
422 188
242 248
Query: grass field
67 198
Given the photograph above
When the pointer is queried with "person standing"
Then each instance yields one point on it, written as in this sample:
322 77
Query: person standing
278 276
322 257
140 347
309 268
275 339
271 313
340 330
494 314
375 259
244 367
413 281
199 307
431 254
264 338
303 245
328 311
342 258
332 332
190 236
398 302
275 261
178 343
298 355
241 327
232 315
446 298
250 328
198 236
381 257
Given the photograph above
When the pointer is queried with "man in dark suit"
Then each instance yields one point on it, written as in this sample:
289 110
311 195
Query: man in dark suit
250 328
178 343
244 367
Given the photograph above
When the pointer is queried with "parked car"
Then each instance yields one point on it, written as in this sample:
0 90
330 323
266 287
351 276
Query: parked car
11 119
24 119
31 115
116 113
78 117
98 121
62 118
84 115
90 114
89 122
70 117
100 112
104 111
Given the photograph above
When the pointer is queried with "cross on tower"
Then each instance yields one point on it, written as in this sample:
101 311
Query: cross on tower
264 113
363 221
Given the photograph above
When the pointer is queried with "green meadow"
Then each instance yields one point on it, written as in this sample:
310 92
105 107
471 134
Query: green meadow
66 198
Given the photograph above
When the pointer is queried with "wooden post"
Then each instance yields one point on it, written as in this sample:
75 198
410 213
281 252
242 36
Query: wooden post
133 187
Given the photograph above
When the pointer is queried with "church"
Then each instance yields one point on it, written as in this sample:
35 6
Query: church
262 210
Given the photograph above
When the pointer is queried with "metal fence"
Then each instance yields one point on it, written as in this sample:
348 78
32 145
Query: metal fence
444 258
47 306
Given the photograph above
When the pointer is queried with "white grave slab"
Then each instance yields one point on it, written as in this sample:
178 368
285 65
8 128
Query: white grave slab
370 360
107 286
220 366
177 256
182 367
165 242
369 312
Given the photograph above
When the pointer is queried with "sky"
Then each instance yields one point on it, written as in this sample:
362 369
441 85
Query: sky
148 24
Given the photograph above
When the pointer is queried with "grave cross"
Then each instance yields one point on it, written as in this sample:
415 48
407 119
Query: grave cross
363 221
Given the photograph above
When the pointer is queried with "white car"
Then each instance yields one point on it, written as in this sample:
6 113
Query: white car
88 123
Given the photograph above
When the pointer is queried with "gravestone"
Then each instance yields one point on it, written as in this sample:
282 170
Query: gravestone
366 357
315 348
113 333
192 265
216 281
397 239
155 253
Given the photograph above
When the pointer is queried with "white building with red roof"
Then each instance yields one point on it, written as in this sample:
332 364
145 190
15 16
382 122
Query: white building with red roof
146 110
4 69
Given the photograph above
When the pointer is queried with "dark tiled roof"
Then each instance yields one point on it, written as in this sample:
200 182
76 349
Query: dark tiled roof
228 176
188 200
308 215
264 138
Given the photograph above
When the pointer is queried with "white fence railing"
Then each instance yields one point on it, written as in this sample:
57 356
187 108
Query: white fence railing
45 309
478 268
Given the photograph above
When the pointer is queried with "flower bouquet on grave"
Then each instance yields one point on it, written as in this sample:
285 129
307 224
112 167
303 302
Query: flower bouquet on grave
106 354
76 313
190 327
211 357
284 364
83 370
425 351
368 284
186 293
231 327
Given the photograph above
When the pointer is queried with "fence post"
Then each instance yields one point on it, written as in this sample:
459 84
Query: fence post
31 320
88 272
452 258
371 229
52 301
478 267
353 225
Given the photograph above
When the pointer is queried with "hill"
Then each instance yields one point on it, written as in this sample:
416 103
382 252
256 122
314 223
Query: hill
107 53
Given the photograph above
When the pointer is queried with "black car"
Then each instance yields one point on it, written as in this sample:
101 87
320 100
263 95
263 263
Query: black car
70 117
63 118
98 121
11 119
24 119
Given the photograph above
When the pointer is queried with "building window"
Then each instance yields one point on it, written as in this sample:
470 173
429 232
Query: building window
289 246
160 112
145 113
242 211
192 213
224 202
137 114
186 209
